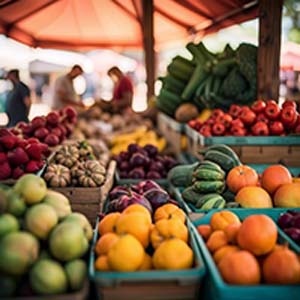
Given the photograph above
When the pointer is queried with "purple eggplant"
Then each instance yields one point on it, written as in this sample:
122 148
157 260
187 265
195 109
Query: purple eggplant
151 150
169 162
137 173
284 220
118 191
123 174
293 212
147 185
125 200
153 175
112 205
293 233
156 166
139 160
295 222
133 148
123 166
157 197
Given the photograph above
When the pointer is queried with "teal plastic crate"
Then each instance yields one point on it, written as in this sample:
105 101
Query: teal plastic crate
216 289
290 140
152 284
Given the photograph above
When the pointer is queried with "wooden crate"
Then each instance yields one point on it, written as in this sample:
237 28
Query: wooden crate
89 201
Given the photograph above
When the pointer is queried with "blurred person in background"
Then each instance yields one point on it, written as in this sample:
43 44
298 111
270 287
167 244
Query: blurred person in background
64 92
123 90
18 99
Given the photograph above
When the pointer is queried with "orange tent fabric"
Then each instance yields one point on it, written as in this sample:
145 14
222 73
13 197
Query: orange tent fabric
87 24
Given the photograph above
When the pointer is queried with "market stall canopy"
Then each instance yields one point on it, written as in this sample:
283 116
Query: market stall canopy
87 24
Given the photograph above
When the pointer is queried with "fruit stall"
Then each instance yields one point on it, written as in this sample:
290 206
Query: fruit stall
201 203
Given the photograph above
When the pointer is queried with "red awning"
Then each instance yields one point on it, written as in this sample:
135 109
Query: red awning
87 24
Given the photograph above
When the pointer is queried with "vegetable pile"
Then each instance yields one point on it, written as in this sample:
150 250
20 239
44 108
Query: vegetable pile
261 119
210 80
289 222
143 162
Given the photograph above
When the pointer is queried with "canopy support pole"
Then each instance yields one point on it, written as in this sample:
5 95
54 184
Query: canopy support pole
270 14
148 41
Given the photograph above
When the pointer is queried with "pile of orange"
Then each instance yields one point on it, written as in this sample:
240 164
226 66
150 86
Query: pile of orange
247 252
126 237
275 187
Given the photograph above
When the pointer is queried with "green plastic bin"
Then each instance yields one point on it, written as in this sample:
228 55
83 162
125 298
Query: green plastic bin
214 286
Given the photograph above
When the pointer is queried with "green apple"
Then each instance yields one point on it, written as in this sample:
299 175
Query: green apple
15 204
32 188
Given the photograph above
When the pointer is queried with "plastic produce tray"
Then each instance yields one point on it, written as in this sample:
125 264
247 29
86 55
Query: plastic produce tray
216 289
150 285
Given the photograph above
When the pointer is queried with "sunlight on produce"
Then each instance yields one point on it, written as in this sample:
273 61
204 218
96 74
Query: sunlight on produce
3 119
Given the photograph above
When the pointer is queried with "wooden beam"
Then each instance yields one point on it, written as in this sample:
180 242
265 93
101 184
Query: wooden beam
148 39
270 15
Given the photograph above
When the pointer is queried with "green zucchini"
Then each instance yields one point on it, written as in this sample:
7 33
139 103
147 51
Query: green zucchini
182 175
214 186
223 160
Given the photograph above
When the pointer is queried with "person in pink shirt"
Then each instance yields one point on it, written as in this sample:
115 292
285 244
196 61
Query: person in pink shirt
123 90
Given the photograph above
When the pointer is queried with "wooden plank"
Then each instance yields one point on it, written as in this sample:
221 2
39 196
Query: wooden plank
148 41
270 15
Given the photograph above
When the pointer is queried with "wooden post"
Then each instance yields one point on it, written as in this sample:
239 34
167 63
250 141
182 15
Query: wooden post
148 40
270 14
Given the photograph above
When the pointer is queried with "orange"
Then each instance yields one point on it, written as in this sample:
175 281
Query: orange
205 231
138 208
105 242
126 254
220 220
223 251
240 267
231 232
101 263
288 195
241 176
137 224
146 264
107 224
173 254
216 240
168 211
253 197
167 229
275 176
257 234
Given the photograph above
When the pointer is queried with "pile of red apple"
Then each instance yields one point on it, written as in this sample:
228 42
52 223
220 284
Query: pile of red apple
19 156
261 119
51 129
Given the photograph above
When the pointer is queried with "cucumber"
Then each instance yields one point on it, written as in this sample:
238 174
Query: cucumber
179 74
203 199
225 161
214 203
189 195
204 173
201 87
210 165
198 76
172 81
197 54
226 150
223 67
182 175
208 88
205 52
216 186
232 205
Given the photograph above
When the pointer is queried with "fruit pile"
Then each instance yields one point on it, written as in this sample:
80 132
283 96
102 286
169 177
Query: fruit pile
205 181
143 162
51 129
19 156
41 240
146 193
141 136
75 164
247 255
261 119
289 222
128 239
274 187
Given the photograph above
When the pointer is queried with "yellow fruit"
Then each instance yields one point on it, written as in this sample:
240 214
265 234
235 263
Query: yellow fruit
105 243
138 208
101 263
146 264
166 229
253 197
168 211
108 223
137 224
126 255
173 254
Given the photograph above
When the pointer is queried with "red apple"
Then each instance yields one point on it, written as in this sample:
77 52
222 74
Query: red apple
51 140
53 118
238 131
258 106
218 129
235 110
276 128
272 110
260 128
38 122
41 133
247 116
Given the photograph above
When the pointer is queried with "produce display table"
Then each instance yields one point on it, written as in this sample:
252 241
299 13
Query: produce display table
251 149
